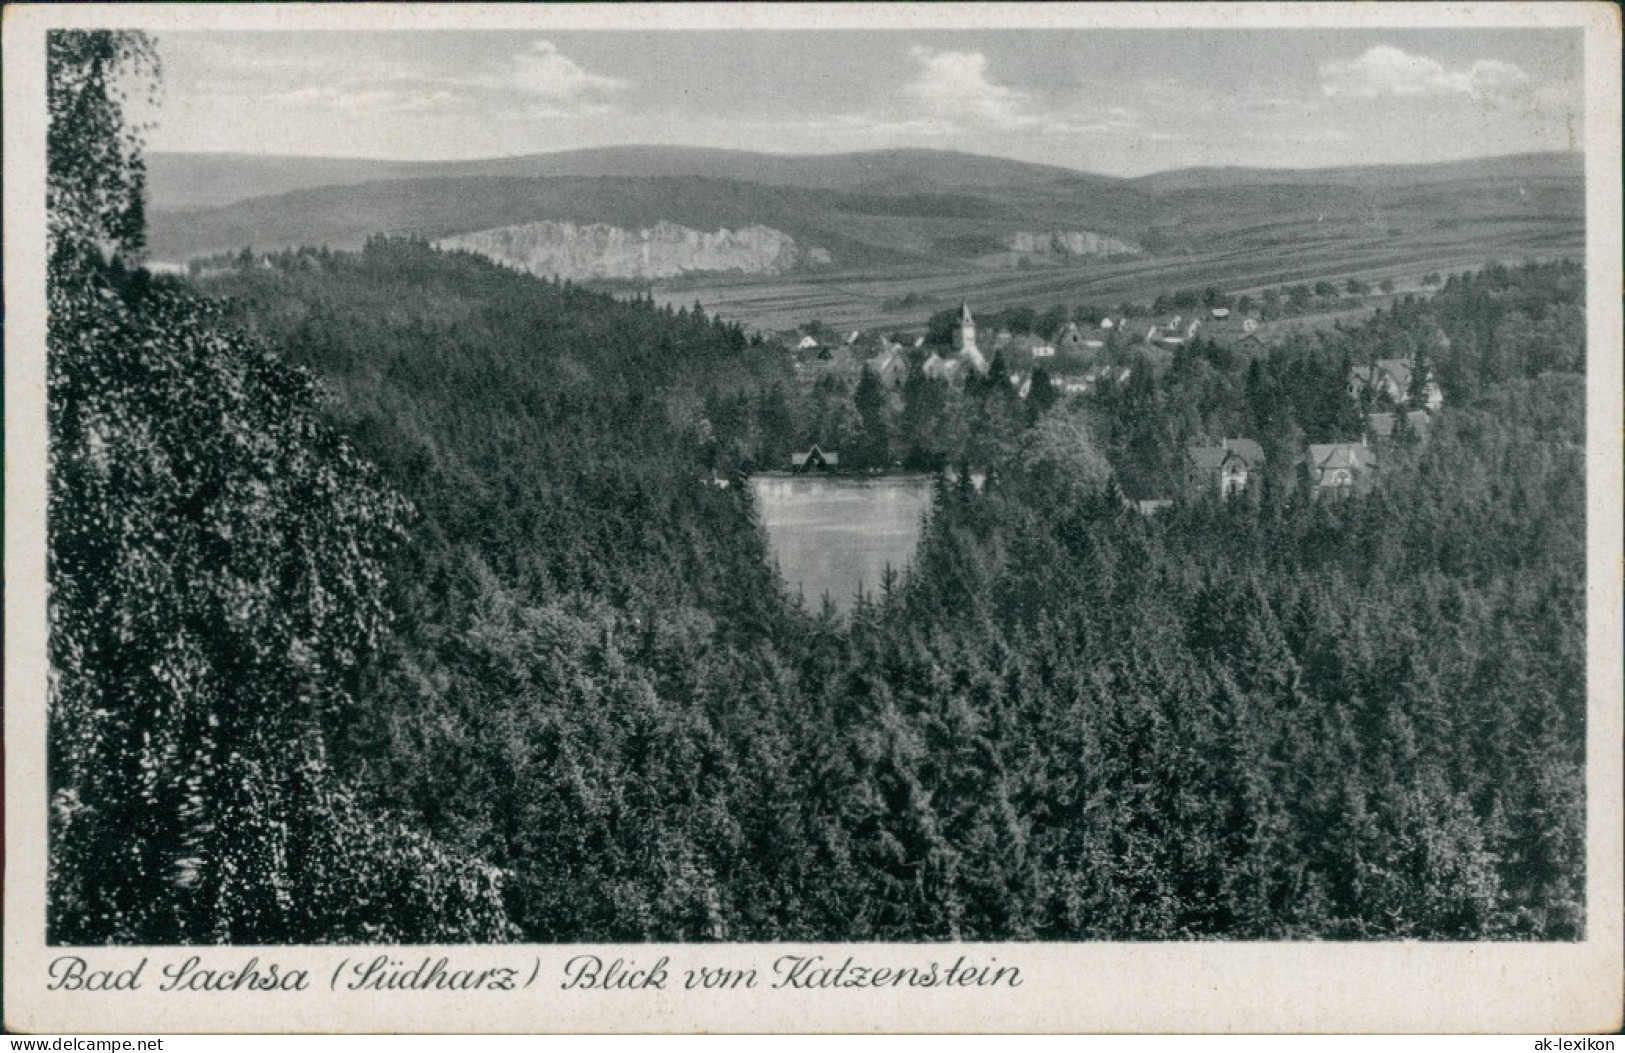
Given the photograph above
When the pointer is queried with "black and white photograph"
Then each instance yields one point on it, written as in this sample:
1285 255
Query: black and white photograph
884 502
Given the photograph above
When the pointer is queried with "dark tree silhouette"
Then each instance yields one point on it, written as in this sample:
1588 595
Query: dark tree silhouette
216 578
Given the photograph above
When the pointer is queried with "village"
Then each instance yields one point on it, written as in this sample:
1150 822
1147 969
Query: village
1395 399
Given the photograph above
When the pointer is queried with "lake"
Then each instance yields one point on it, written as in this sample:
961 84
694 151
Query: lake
834 533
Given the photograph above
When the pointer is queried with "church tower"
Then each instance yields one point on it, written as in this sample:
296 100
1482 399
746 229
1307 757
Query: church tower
965 350
965 334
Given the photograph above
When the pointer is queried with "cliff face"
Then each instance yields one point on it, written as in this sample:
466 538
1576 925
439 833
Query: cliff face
1071 243
596 250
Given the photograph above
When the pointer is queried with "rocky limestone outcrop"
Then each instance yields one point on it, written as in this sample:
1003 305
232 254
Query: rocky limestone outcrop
1070 243
597 250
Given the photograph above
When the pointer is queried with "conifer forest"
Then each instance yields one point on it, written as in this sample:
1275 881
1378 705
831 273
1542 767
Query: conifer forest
392 600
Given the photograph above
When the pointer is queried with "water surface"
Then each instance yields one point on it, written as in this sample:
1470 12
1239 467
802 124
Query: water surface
835 534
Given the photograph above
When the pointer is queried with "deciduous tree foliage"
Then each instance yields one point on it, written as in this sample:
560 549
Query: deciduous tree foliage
94 196
216 583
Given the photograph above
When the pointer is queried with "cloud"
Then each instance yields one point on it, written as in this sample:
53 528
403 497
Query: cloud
952 90
543 73
867 124
1385 71
546 83
361 99
954 85
1117 119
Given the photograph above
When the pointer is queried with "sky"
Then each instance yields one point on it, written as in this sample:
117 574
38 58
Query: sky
1115 101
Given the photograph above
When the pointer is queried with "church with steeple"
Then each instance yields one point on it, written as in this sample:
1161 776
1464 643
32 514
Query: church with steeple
965 333
966 356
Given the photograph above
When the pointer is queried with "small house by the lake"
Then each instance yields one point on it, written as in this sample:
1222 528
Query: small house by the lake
814 460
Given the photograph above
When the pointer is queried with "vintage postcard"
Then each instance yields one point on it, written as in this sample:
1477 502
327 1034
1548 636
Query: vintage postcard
834 518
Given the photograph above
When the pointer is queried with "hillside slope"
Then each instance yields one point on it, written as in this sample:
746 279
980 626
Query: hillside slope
852 212
857 229
1510 167
182 181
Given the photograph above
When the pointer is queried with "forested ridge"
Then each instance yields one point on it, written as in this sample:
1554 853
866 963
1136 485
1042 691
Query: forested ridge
392 601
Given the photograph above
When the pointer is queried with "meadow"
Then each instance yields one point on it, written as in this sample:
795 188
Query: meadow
869 299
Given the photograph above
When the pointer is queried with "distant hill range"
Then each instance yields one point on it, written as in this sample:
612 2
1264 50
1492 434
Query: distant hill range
1558 166
643 211
183 181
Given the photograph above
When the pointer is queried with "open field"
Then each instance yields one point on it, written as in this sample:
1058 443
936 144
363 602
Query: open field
859 299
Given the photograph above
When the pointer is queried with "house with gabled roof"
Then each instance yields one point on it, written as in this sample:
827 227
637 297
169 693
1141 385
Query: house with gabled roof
814 460
1391 379
1091 379
1026 350
971 360
891 366
1075 341
1234 334
941 368
1227 467
1339 468
1175 332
